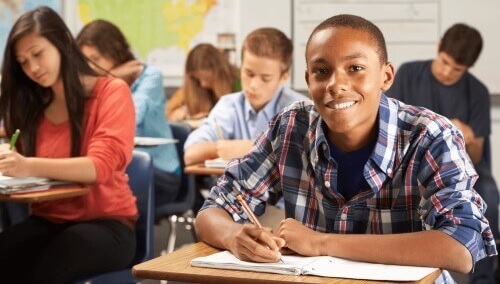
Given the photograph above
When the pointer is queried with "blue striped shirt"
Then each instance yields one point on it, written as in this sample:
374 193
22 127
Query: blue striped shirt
419 174
237 118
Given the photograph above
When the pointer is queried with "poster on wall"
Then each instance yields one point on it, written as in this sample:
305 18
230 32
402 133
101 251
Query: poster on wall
161 32
10 10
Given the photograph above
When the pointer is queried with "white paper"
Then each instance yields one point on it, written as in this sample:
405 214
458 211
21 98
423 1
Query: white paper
153 141
326 266
216 163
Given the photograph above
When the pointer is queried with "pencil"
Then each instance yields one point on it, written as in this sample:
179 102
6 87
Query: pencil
14 138
250 214
220 134
248 211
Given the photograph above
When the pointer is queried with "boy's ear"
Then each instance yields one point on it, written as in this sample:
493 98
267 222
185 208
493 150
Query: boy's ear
285 75
306 75
388 76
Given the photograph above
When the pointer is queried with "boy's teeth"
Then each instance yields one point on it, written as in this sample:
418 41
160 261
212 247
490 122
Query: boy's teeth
343 105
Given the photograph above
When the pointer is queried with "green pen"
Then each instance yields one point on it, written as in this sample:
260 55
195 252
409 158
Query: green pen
13 140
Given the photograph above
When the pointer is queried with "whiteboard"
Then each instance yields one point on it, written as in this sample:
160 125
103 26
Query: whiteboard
412 29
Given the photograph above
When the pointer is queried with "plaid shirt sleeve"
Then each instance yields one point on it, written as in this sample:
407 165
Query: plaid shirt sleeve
255 176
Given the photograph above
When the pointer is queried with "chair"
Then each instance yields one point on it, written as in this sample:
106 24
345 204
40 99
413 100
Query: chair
140 173
183 203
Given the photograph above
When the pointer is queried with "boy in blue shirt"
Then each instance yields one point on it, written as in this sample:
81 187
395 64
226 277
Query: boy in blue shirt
238 118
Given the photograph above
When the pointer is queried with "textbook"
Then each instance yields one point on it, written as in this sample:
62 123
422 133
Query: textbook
10 185
216 163
326 266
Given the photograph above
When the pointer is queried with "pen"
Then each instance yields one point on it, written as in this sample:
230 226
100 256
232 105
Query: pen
13 140
250 214
220 134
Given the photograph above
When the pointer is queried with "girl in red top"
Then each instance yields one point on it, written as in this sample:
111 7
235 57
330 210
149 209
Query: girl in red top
76 127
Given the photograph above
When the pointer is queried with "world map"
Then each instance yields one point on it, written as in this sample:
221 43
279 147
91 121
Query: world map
162 32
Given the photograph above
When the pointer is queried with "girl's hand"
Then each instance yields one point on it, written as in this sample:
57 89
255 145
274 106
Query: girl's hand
12 163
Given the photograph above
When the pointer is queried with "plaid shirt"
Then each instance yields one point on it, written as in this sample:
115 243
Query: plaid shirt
420 176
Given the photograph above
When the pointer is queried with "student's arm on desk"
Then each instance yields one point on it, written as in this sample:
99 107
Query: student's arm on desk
199 152
175 109
229 149
225 149
215 227
426 248
80 169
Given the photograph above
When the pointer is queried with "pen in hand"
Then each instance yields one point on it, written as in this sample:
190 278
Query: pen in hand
249 212
14 138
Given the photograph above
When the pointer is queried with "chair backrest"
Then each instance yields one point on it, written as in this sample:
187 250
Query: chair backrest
186 197
140 174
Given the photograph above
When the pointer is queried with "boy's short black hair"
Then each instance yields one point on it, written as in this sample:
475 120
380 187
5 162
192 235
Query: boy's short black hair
463 43
358 23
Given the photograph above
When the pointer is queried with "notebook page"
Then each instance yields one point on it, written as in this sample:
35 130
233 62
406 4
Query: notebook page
342 268
226 260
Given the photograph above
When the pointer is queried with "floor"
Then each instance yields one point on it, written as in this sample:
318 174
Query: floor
184 237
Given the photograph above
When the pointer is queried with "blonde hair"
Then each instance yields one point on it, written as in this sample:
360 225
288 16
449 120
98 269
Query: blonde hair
206 57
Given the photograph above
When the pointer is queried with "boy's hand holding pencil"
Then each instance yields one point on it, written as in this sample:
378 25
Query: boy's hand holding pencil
274 243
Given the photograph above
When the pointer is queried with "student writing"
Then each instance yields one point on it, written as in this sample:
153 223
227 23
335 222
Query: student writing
208 75
363 176
266 58
75 126
446 86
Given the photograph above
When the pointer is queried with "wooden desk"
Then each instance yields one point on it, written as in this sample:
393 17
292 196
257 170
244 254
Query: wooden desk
46 195
200 169
176 267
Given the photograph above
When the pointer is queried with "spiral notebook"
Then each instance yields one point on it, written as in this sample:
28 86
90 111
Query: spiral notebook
326 266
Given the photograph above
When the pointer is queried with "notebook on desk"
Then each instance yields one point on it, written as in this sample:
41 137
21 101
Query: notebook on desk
326 266
17 185
216 163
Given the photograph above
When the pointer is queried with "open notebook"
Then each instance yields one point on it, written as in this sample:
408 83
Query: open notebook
10 185
326 266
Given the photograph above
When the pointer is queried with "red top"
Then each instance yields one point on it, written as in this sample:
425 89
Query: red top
108 140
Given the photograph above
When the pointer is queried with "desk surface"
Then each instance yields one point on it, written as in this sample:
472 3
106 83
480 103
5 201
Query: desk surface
176 267
200 169
46 195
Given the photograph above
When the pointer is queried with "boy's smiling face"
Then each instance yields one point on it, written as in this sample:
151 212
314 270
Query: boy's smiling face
345 79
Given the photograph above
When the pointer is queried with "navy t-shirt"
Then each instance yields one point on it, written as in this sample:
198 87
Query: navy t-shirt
468 99
350 179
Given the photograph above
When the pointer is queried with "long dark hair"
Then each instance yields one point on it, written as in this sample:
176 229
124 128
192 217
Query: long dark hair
22 99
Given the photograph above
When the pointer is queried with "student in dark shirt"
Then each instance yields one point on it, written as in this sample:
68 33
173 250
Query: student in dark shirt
444 85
